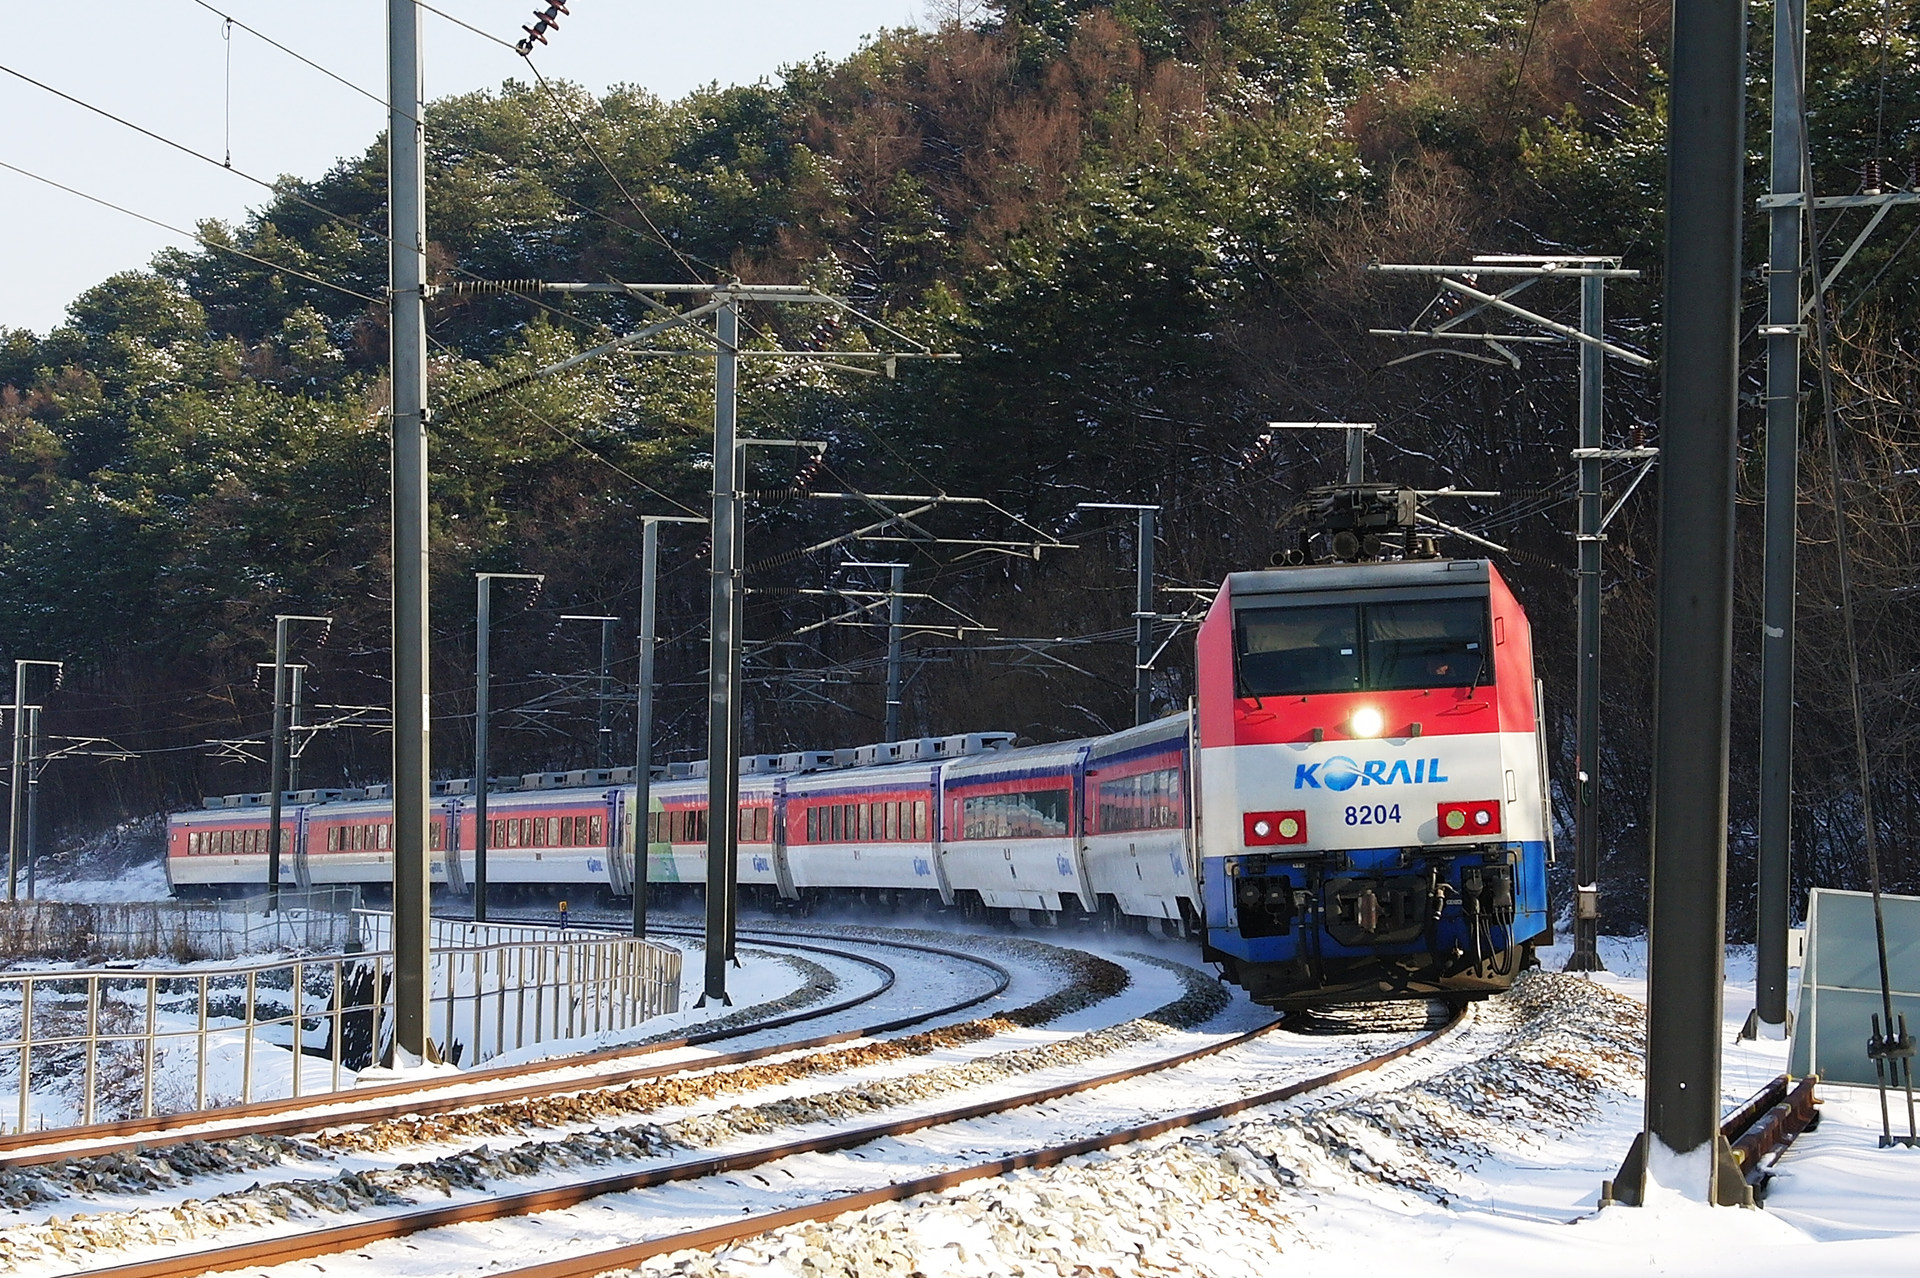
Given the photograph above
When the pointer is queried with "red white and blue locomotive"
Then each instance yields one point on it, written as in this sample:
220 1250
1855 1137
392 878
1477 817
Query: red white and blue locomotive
1355 809
1374 817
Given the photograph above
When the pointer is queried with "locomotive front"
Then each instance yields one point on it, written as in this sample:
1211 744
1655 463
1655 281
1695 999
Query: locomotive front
1372 817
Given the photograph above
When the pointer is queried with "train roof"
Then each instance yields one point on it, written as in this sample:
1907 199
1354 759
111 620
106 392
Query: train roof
1398 574
759 774
1058 756
912 775
1165 731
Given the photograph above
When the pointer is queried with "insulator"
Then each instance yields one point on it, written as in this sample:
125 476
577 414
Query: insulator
1870 177
543 22
491 286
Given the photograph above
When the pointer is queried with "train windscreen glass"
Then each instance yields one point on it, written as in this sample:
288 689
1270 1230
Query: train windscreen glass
1286 651
1429 643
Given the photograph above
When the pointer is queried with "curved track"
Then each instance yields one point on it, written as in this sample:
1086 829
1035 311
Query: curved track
500 1207
506 1082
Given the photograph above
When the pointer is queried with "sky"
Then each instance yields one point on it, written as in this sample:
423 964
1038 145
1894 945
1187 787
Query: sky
164 64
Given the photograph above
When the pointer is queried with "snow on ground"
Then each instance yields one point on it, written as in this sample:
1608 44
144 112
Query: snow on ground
1494 1158
142 881
126 863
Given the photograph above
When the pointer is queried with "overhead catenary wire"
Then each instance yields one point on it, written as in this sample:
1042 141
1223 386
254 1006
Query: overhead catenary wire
296 56
685 262
279 190
195 236
561 431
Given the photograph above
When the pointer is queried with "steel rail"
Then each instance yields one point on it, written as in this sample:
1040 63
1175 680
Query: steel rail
321 1242
340 1109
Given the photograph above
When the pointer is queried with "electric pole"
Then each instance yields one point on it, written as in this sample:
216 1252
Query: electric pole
1782 331
1686 923
896 609
643 717
277 752
33 796
896 632
1593 272
1144 612
296 720
412 744
17 795
723 302
483 724
603 733
723 766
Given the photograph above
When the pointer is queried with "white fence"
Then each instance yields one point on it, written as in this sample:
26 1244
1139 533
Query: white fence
104 1044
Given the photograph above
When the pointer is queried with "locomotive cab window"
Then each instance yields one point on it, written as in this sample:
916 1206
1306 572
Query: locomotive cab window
1374 647
1286 651
1437 643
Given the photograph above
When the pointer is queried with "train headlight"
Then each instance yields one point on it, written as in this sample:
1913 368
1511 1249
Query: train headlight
1265 829
1481 816
1367 721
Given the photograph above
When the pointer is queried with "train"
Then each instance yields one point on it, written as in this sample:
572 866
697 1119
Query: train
1354 807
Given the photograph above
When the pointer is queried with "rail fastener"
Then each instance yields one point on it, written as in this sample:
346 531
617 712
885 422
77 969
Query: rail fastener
1770 1120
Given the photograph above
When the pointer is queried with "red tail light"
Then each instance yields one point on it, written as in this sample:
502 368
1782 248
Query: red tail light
1467 820
1270 829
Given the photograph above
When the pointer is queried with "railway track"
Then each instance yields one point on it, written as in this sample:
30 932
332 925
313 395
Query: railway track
758 1162
499 1084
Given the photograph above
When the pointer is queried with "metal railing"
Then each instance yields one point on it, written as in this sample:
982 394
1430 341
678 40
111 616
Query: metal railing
313 920
101 1044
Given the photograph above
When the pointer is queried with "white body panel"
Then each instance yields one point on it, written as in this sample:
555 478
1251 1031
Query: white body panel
858 865
1011 872
1371 794
1144 871
862 863
541 865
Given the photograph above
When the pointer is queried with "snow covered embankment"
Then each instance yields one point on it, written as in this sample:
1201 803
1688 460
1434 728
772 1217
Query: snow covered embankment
1223 1200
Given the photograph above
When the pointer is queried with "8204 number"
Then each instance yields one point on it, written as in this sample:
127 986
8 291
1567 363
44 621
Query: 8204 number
1374 814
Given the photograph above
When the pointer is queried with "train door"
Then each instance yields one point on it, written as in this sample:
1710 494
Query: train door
1190 795
1190 770
619 869
450 848
777 839
1077 833
936 804
302 872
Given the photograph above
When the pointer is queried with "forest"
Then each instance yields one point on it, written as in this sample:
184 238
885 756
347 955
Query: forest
1142 227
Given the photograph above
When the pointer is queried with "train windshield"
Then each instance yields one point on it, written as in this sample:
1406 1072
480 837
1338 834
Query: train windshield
1429 643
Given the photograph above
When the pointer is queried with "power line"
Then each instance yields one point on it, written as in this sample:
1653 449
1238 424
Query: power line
484 35
195 236
686 263
277 189
263 36
577 442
